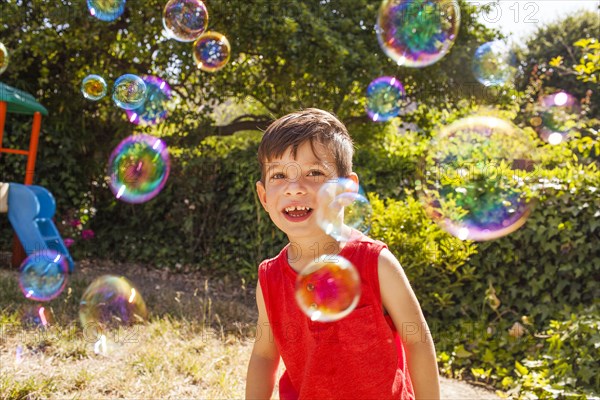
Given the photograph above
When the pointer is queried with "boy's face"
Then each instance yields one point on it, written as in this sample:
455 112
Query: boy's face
289 192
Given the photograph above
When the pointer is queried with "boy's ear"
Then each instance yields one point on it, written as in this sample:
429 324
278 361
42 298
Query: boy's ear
353 177
262 194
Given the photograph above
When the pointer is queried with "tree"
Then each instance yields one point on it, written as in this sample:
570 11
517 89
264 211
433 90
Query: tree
556 41
285 55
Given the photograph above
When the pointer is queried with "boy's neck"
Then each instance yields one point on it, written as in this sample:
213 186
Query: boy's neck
304 251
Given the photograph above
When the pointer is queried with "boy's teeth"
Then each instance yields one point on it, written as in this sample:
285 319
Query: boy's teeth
296 208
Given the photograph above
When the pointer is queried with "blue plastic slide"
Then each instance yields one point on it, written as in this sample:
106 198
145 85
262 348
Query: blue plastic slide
30 211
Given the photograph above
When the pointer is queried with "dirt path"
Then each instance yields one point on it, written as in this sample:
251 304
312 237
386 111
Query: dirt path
453 389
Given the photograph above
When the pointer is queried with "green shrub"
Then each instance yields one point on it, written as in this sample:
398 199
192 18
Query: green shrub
207 216
553 259
558 360
435 262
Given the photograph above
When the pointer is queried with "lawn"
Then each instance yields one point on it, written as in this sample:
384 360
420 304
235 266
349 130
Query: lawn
196 343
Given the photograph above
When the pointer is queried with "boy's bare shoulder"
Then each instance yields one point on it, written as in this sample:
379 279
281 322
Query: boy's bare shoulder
269 262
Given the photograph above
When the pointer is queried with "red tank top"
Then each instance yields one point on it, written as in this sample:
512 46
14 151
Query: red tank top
358 357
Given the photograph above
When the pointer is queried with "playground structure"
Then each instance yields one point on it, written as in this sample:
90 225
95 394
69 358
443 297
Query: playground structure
30 208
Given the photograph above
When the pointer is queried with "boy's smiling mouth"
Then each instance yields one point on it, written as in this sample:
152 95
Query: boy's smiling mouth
297 213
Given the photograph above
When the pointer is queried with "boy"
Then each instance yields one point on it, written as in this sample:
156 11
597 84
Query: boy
360 356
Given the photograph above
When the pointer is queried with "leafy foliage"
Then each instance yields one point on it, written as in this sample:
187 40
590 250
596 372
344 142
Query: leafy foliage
555 42
549 361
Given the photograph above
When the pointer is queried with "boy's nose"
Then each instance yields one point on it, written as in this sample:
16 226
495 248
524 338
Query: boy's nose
295 187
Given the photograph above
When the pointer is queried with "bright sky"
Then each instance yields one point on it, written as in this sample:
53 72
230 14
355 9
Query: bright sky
523 17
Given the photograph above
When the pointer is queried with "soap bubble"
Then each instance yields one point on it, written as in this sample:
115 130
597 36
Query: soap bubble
474 177
3 58
384 98
43 275
106 10
138 168
211 51
36 316
494 63
93 87
328 289
343 208
417 33
555 116
129 92
185 20
109 302
154 110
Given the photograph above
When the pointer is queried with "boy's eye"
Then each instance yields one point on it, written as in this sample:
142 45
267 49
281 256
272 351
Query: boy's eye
315 172
278 175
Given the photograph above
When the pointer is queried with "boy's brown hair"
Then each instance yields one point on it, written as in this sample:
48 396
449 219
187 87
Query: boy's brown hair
311 124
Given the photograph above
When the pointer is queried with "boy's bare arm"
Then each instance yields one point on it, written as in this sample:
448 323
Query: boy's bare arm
262 368
401 303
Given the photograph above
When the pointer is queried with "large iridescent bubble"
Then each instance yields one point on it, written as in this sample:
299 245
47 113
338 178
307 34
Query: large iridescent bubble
129 92
93 87
328 289
185 20
417 33
138 168
494 63
43 275
154 109
211 51
106 10
554 117
111 301
3 58
385 96
343 209
473 179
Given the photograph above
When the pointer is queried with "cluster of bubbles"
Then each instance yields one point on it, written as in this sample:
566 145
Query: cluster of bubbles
328 289
128 93
106 10
187 21
108 302
3 58
138 168
184 21
412 33
154 110
554 116
473 176
494 63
